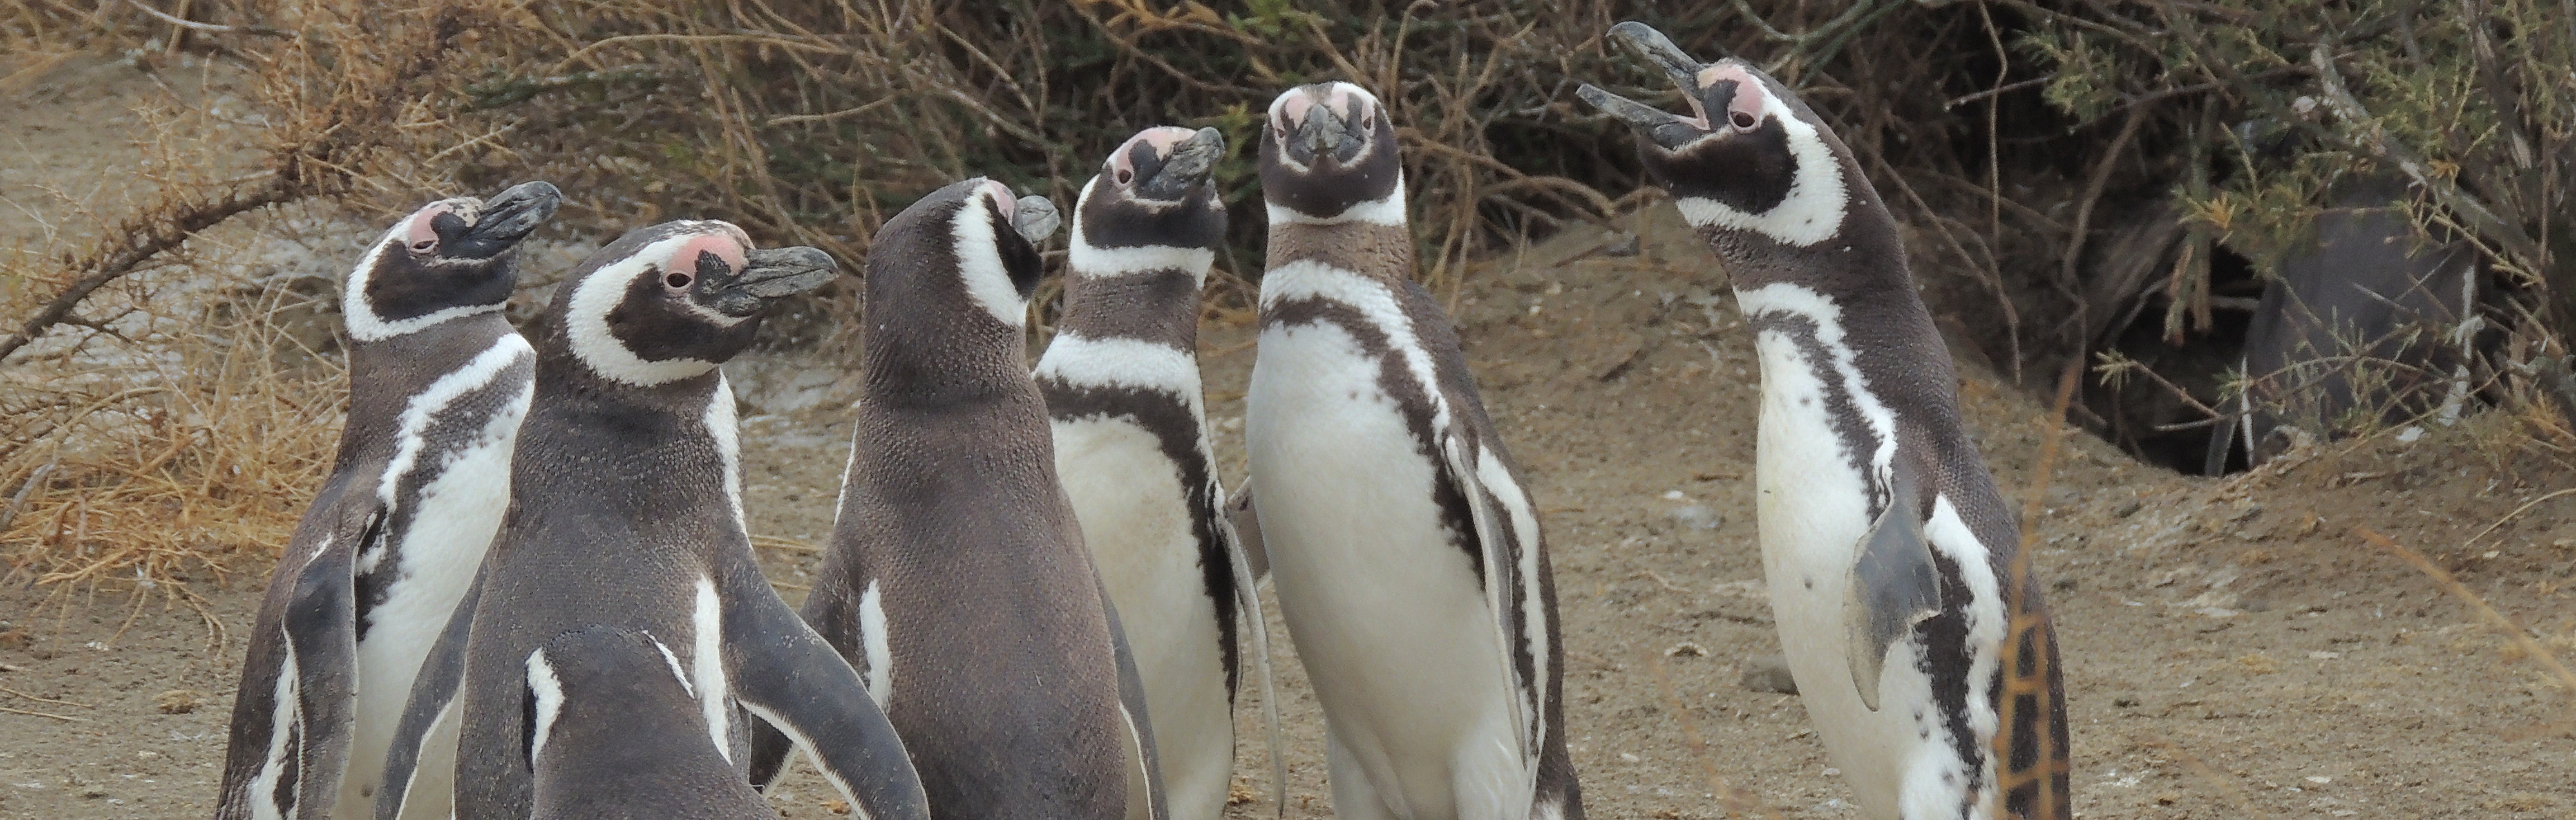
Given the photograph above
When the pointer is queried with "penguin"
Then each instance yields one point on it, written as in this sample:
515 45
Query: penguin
1924 658
626 512
956 580
1121 382
438 383
1405 552
616 734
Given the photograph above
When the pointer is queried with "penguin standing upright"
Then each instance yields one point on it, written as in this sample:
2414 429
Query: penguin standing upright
1121 380
438 382
617 735
956 580
1888 550
1406 556
626 513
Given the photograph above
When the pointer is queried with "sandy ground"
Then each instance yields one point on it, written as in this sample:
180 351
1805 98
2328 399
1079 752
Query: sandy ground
2231 649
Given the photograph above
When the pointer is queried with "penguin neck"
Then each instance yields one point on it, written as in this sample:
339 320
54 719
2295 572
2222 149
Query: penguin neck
565 383
1159 306
399 367
1848 304
923 359
1377 251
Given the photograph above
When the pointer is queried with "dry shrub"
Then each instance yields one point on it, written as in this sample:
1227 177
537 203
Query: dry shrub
152 427
2014 137
157 472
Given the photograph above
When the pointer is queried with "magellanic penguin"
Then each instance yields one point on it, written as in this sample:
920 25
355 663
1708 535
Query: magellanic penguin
1121 380
617 735
626 512
438 382
1406 555
1887 547
956 580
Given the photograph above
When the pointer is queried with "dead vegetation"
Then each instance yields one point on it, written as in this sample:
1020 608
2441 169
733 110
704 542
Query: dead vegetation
2073 187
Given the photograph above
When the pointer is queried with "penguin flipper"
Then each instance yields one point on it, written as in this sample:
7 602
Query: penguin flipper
1501 535
1892 586
266 762
1248 601
1131 709
1246 521
785 674
321 626
433 697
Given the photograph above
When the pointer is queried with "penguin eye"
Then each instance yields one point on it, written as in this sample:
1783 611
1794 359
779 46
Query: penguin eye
1368 121
1743 120
424 246
676 280
1125 176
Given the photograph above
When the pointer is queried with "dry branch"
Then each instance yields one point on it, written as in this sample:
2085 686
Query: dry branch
156 229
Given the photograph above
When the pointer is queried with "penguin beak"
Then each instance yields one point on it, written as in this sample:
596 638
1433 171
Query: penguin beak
1670 131
1034 218
1184 166
504 220
1312 129
771 274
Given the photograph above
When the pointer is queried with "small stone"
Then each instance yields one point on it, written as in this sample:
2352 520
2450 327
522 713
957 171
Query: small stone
93 792
2129 508
178 701
836 806
1626 244
1697 517
1768 673
1686 649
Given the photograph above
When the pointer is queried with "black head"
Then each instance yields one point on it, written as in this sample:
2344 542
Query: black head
1329 156
674 300
450 258
1152 206
972 243
1751 157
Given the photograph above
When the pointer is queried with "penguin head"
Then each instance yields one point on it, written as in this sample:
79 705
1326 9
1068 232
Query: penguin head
1152 207
674 300
980 236
450 258
1328 156
1752 159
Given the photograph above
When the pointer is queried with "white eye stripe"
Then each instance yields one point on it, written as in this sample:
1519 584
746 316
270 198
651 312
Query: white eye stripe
979 265
595 296
1818 197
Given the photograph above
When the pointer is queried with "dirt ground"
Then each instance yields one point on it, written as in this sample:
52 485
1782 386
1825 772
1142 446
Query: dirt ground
2232 650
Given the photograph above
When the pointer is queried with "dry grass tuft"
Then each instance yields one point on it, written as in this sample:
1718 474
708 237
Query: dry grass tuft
155 473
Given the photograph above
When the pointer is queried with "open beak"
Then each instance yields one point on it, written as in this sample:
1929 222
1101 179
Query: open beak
1185 167
1666 129
505 219
772 274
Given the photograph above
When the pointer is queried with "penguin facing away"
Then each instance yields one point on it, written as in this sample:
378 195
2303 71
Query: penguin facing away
626 513
438 384
617 735
957 581
1406 556
1931 675
1121 382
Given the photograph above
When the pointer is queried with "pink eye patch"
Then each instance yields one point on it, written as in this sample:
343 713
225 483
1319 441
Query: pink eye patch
1745 109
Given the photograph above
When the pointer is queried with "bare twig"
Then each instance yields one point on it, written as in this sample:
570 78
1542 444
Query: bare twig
138 241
